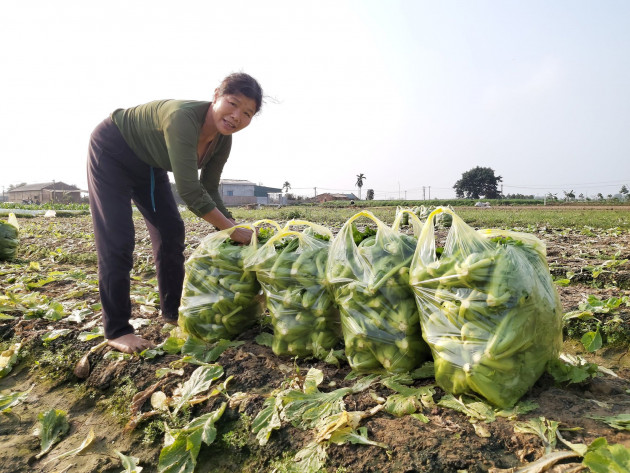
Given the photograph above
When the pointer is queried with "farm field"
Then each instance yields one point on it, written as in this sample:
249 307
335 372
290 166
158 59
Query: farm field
49 306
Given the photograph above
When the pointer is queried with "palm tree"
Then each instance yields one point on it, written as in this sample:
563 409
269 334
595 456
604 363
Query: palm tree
286 186
359 183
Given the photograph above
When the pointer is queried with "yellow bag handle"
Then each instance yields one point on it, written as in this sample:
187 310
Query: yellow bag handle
417 223
315 226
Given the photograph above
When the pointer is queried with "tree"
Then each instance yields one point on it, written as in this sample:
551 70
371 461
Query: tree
600 196
478 182
286 186
370 194
569 195
624 192
359 183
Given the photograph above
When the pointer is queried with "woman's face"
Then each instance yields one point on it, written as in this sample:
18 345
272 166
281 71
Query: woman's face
232 112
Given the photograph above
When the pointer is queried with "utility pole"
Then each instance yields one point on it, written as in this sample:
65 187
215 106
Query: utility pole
429 192
315 189
53 192
423 193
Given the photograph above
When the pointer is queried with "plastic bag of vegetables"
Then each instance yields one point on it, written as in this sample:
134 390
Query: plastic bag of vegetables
221 299
291 268
8 238
369 276
488 309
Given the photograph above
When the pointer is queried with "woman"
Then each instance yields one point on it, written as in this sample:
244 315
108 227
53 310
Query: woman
129 155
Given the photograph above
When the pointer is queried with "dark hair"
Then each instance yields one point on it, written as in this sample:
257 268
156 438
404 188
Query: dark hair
241 83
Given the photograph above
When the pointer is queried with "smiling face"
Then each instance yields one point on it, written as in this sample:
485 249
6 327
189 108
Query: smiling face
232 112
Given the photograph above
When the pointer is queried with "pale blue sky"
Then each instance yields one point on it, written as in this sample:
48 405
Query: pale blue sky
410 93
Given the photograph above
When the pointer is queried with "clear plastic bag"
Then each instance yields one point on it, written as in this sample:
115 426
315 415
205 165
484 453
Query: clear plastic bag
9 238
369 276
291 269
488 309
221 298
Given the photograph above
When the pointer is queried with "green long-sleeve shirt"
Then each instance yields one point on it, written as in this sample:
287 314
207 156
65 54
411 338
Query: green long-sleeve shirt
164 134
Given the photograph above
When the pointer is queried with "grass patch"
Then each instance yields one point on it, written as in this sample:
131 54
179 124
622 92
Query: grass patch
118 401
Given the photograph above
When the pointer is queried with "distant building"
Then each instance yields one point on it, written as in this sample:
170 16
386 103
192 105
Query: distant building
269 195
236 192
45 192
327 197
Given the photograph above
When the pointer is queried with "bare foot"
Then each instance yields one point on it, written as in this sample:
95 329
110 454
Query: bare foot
130 343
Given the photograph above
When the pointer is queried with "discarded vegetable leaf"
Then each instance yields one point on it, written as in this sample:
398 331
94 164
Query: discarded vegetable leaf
199 382
87 442
620 421
604 458
7 401
129 463
181 448
53 425
545 429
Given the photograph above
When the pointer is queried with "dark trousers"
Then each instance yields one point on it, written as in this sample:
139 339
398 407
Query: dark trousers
116 177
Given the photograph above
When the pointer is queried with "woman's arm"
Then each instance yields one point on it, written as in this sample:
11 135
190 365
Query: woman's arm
216 218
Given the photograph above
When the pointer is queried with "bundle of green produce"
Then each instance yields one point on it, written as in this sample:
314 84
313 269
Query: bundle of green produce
291 268
488 309
369 276
221 298
441 220
8 238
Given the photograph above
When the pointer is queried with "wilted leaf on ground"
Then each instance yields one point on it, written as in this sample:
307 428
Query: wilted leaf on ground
522 407
341 428
87 442
358 436
400 405
305 409
265 339
55 334
474 409
199 382
592 341
620 421
96 332
8 358
8 401
571 370
182 446
207 353
268 419
545 429
53 425
129 463
311 459
604 458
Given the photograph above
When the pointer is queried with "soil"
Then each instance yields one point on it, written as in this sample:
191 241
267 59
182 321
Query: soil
448 443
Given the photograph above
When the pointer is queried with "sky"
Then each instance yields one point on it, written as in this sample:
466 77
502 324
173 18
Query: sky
411 94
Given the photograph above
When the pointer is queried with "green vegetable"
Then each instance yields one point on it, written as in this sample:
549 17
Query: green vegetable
489 310
221 299
291 270
182 445
370 282
8 238
604 458
53 425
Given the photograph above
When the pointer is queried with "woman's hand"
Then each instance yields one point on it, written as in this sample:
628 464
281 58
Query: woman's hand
242 235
